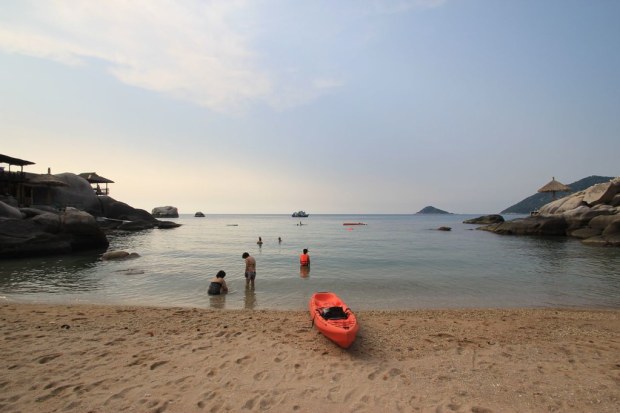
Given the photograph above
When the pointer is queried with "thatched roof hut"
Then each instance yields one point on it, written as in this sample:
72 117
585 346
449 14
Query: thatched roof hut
93 178
14 161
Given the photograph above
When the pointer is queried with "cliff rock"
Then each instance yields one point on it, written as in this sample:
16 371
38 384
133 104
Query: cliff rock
591 215
48 233
485 219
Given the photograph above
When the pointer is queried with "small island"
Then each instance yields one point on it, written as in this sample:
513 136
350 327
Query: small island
432 210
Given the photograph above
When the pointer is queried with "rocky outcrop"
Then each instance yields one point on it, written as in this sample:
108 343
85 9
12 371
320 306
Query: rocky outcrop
44 233
120 216
537 200
591 215
113 209
8 211
165 212
537 225
199 215
485 220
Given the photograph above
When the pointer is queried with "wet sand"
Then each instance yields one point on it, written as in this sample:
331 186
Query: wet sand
81 358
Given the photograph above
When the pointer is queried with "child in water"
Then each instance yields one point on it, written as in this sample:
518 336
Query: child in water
218 285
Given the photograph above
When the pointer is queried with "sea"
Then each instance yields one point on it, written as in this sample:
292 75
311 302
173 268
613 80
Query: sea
391 262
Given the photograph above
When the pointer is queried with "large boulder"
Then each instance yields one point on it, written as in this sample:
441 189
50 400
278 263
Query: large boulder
613 228
582 215
136 225
602 193
485 220
120 216
76 192
165 212
602 221
536 225
47 233
602 241
167 224
9 200
9 211
584 233
562 205
113 209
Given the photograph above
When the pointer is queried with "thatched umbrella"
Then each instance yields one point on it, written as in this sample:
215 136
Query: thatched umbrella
554 186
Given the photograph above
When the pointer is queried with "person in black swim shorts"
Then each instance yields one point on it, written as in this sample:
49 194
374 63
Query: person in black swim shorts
250 269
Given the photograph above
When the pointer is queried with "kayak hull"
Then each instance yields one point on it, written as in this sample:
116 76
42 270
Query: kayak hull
341 330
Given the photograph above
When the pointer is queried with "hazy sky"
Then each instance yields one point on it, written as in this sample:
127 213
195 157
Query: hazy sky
271 106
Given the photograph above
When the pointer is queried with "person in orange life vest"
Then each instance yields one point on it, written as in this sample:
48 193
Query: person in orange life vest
304 259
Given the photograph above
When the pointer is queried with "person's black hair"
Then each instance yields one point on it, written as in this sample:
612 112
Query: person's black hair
245 255
305 250
220 274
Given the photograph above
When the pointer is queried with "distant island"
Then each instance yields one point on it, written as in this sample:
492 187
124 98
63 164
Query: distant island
432 210
536 201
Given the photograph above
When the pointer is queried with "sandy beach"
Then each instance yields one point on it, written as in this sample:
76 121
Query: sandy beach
81 358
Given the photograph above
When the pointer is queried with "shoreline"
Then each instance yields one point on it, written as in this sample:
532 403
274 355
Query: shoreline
105 358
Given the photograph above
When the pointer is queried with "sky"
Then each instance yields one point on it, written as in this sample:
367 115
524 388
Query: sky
349 106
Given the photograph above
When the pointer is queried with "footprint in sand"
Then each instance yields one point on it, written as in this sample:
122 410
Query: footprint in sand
260 375
157 364
242 360
374 374
48 358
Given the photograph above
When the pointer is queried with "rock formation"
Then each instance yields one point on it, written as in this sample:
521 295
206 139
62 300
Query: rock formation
123 217
165 212
119 255
485 220
592 215
76 192
59 228
537 200
38 232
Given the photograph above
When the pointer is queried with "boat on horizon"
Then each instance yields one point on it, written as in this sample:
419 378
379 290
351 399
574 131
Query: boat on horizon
300 214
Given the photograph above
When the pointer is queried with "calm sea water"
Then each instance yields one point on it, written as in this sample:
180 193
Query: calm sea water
393 262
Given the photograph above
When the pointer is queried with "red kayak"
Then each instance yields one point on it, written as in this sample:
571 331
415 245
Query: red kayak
333 318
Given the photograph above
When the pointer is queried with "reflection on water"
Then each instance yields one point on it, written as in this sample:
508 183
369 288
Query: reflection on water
217 301
49 274
250 298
